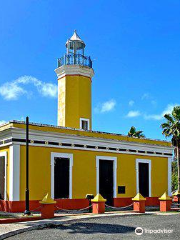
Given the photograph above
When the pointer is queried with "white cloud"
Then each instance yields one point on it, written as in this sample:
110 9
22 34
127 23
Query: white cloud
160 116
106 106
2 122
132 114
13 90
157 117
131 103
48 89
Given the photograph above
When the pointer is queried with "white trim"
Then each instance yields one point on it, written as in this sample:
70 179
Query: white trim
61 155
84 119
137 174
74 70
85 140
14 173
4 154
169 176
114 159
95 149
76 138
88 149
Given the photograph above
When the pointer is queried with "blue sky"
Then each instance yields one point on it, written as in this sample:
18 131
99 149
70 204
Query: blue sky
134 45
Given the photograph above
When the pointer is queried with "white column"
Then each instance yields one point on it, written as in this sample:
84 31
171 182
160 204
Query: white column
14 173
169 175
97 175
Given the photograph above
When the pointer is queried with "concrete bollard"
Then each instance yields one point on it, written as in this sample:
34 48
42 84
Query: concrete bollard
139 203
47 207
165 203
176 197
98 204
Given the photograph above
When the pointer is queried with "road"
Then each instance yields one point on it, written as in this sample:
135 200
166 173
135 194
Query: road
122 227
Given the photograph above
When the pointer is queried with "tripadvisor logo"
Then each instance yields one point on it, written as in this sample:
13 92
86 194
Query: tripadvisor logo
139 231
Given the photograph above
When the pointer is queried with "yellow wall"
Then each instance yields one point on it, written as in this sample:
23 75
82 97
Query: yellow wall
6 149
127 174
84 172
74 100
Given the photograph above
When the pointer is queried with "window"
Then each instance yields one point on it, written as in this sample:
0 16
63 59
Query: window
84 123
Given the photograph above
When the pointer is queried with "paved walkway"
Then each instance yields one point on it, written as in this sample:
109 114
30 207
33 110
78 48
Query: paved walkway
110 228
7 230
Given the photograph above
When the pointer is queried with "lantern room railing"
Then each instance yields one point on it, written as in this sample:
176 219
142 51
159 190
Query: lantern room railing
75 59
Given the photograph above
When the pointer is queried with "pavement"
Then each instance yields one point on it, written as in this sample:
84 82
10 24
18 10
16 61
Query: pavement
87 226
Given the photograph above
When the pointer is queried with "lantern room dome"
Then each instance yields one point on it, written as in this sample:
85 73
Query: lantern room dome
75 42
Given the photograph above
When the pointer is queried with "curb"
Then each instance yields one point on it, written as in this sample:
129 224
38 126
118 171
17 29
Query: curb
55 223
22 230
16 220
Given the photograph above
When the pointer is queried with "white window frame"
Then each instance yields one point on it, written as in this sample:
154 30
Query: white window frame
84 119
114 159
137 174
4 154
61 155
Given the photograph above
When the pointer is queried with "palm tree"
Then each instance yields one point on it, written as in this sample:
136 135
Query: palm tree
134 133
171 128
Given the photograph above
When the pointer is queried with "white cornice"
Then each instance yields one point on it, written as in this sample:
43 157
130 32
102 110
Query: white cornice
5 134
74 70
19 132
84 140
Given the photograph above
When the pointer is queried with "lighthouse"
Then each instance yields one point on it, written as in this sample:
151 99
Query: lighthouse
74 75
68 162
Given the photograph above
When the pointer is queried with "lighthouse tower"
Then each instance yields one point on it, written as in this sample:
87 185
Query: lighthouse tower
74 74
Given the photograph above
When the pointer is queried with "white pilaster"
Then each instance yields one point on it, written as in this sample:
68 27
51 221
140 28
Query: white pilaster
14 173
169 175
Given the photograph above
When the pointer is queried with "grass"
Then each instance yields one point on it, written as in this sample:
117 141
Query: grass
4 216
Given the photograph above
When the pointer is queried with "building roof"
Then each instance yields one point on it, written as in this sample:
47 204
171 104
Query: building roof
80 132
75 37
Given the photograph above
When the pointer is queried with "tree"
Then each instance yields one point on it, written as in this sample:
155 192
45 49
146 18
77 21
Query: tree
171 128
174 175
134 133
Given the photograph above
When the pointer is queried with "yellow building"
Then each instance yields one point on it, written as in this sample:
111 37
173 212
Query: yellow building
70 160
